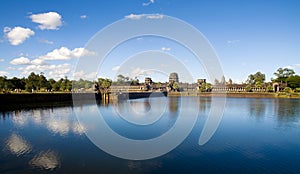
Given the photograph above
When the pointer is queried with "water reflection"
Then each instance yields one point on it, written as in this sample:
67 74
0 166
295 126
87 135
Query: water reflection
17 145
46 139
47 160
257 108
287 112
204 104
174 104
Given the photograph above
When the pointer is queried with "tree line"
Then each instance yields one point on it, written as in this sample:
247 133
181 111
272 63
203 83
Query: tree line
39 83
258 80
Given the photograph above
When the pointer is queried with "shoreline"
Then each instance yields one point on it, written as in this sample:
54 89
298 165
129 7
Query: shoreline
237 95
16 101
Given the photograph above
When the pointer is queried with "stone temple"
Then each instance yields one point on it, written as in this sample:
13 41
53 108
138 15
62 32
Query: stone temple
173 78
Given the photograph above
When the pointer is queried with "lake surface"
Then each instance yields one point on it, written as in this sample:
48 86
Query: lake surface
254 136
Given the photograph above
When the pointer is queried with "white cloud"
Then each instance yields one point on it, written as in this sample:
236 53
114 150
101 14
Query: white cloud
17 35
83 75
135 16
20 61
2 60
289 67
155 16
38 62
10 68
166 49
116 68
60 71
53 71
140 16
83 16
140 72
45 41
297 64
3 73
47 21
233 41
64 53
148 3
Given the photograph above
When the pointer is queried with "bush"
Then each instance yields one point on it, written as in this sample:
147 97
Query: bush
248 88
287 90
270 89
297 90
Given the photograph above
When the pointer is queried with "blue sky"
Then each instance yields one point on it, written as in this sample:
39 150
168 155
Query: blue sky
248 36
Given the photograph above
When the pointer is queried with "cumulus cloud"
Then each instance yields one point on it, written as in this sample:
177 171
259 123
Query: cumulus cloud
17 35
83 16
3 73
64 53
38 62
148 3
54 71
84 75
297 64
140 16
166 49
47 21
140 72
20 61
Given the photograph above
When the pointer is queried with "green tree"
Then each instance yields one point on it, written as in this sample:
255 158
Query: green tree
104 84
269 89
258 77
293 82
43 82
282 74
32 82
248 88
175 86
287 90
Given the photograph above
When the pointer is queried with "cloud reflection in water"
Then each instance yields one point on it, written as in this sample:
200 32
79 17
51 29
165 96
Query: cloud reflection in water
47 160
17 145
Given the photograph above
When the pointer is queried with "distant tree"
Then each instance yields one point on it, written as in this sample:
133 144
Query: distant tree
258 84
52 84
135 81
18 83
293 82
32 82
269 89
256 78
175 86
104 84
282 74
2 82
287 90
248 88
43 82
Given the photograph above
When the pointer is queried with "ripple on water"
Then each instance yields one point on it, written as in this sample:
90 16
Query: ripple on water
17 145
47 160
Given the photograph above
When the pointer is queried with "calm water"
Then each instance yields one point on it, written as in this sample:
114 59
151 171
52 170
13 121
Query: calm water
254 136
